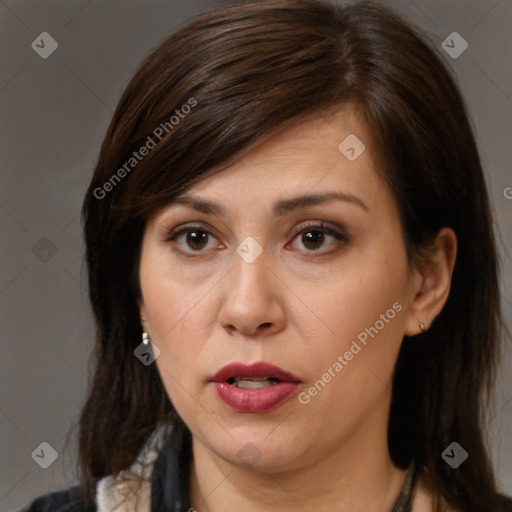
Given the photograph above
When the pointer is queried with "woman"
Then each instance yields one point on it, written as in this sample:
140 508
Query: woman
293 275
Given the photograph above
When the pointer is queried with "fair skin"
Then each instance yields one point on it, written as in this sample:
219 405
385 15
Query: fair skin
299 305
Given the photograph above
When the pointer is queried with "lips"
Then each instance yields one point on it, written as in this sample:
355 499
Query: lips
260 369
256 388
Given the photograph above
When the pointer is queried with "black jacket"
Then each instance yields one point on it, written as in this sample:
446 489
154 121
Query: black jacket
169 483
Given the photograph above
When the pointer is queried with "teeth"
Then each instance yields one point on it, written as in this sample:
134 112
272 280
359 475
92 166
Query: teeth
253 382
254 379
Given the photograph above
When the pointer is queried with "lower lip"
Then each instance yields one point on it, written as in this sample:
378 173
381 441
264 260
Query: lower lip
255 400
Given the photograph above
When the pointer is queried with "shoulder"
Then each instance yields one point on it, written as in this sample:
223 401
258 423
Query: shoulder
66 500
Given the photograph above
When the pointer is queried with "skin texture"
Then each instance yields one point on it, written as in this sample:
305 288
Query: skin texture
299 305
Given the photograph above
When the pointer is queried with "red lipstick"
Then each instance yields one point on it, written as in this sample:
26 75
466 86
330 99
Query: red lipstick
260 387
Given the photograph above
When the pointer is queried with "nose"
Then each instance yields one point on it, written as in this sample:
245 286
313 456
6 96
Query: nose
252 299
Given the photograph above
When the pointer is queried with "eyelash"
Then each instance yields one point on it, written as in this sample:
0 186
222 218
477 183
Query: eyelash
320 227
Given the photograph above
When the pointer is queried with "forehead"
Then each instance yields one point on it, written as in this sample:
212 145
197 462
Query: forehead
320 151
306 163
320 136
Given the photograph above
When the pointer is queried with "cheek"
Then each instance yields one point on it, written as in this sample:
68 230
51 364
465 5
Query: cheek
169 306
347 381
173 317
173 314
363 295
168 298
363 311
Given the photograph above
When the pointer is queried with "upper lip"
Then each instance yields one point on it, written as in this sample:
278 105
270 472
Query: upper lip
259 369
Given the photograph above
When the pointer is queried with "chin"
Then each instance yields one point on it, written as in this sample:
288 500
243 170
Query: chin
259 448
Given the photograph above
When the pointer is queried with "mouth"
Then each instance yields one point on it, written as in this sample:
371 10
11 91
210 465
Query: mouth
257 375
254 383
256 388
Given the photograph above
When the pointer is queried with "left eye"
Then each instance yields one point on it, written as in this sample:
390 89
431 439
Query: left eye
313 237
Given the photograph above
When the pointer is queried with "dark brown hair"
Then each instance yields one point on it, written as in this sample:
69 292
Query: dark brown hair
249 69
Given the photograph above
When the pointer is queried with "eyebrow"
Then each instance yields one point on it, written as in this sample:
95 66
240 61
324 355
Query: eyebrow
281 208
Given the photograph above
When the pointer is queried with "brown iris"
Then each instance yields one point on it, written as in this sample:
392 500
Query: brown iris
197 236
313 237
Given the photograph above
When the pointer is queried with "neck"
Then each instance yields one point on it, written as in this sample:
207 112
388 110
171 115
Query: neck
357 476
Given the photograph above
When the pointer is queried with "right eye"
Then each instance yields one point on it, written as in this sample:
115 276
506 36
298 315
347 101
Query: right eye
195 237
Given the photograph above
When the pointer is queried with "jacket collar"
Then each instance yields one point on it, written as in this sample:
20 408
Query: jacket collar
170 477
158 479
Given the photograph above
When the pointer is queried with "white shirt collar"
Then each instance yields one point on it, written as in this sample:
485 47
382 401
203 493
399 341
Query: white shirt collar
122 493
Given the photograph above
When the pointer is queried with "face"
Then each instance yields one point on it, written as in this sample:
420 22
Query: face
319 288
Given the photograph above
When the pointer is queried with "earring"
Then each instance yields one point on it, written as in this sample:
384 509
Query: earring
423 328
145 338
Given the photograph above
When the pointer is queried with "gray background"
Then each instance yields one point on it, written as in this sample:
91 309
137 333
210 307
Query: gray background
54 113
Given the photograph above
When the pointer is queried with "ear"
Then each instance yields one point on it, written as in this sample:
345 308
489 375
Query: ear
143 317
433 283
